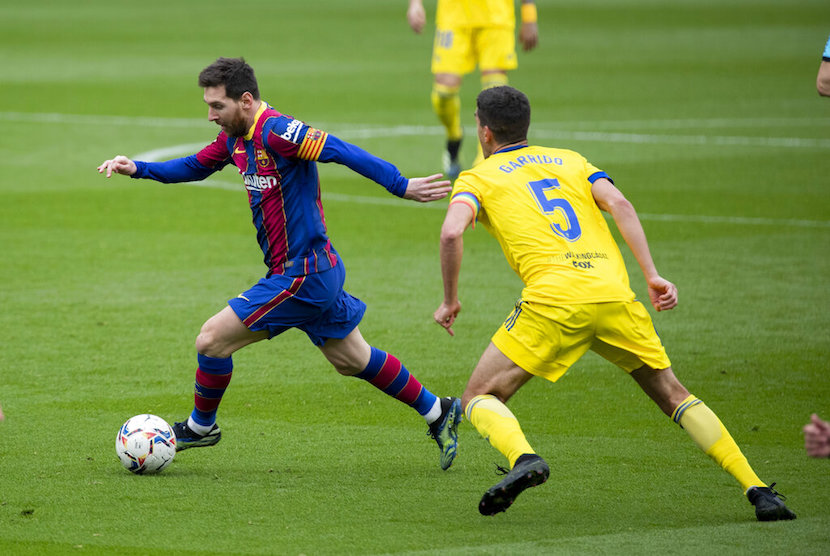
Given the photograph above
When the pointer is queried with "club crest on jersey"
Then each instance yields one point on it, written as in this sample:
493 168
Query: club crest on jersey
262 158
255 182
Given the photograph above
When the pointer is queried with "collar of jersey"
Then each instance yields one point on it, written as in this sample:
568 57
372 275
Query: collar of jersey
508 149
262 106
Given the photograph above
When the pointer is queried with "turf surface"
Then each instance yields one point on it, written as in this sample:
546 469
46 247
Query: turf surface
704 112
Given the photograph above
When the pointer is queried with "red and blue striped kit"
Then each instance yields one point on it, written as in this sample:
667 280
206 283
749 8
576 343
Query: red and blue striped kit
277 160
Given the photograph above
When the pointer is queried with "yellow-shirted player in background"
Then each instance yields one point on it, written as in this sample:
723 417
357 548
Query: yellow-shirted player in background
544 207
471 33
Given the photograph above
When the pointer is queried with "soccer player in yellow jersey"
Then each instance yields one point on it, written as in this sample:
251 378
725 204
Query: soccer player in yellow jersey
471 33
544 206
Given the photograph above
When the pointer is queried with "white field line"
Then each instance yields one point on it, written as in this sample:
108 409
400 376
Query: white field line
548 130
365 131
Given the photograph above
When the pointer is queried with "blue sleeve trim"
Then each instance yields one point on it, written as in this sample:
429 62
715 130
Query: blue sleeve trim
173 171
365 164
597 175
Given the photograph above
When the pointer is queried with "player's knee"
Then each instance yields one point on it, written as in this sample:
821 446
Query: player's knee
471 393
451 80
207 342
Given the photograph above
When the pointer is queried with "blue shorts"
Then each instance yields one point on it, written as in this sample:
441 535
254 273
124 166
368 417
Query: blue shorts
315 303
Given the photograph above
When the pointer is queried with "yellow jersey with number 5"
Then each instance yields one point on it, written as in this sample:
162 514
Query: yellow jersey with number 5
537 203
453 14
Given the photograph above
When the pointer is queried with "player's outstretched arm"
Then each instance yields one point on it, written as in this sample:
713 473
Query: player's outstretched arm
119 165
416 16
661 292
430 188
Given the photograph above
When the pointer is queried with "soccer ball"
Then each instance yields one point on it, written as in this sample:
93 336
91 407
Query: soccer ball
145 444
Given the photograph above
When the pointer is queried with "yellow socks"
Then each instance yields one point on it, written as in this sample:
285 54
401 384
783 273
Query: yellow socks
446 103
489 80
499 426
712 437
447 106
495 422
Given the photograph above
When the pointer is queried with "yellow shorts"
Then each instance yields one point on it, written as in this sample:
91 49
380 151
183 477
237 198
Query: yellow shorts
546 340
458 50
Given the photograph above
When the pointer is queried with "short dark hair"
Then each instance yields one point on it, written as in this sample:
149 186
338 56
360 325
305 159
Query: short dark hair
506 111
234 73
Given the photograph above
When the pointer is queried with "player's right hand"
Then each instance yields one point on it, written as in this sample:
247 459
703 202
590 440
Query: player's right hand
430 188
529 36
446 314
120 165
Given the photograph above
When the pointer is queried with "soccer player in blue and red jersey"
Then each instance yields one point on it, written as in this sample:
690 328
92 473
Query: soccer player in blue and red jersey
276 155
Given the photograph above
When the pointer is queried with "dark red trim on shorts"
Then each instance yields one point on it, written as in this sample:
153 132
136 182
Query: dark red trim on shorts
296 284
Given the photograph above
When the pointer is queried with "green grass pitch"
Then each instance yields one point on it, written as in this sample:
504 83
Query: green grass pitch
704 112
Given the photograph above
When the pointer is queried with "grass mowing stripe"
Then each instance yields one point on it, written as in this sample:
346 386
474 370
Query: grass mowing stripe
704 140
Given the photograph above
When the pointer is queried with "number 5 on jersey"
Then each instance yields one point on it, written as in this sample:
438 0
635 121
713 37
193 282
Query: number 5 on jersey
551 206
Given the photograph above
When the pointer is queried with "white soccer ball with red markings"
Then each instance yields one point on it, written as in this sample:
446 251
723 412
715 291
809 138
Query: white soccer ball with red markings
145 444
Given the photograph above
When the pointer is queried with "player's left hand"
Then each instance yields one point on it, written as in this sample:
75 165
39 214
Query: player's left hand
662 293
427 189
529 36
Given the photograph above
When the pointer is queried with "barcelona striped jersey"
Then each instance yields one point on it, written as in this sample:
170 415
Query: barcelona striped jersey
277 161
